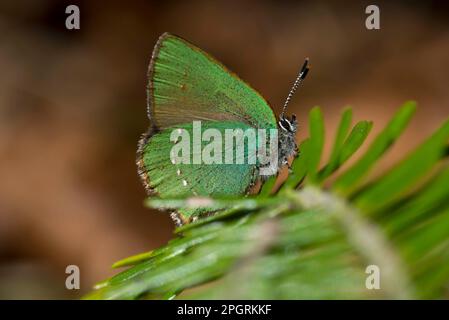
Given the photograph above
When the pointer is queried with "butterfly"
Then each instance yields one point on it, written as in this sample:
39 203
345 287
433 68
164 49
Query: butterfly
188 86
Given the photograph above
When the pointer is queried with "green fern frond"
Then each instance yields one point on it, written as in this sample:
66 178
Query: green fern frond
305 241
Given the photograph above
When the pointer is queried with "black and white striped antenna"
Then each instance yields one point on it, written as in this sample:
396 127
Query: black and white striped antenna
301 76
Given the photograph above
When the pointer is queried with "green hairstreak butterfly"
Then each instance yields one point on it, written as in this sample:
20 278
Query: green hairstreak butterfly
194 98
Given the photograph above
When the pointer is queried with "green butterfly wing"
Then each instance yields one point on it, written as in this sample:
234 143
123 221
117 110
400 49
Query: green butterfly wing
179 180
186 84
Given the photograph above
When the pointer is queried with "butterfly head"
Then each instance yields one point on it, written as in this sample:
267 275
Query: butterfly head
288 125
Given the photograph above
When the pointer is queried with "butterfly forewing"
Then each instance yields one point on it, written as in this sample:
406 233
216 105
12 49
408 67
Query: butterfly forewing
187 84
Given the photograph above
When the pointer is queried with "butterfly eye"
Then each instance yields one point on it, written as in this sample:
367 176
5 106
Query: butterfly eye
286 125
283 124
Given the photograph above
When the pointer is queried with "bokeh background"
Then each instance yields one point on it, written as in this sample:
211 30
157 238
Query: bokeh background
72 106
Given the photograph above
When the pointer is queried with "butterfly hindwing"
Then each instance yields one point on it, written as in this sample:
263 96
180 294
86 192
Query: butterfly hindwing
179 180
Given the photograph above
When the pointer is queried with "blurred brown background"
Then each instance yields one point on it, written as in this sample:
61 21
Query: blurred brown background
72 106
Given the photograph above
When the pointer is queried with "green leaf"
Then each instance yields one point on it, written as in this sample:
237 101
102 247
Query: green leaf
349 180
130 261
428 235
316 128
268 186
299 167
403 177
354 141
350 146
249 203
428 198
342 132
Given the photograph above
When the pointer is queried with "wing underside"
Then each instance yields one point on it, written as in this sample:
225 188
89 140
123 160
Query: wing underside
187 84
167 179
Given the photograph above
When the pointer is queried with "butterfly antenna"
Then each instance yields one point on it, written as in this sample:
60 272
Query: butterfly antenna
301 76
